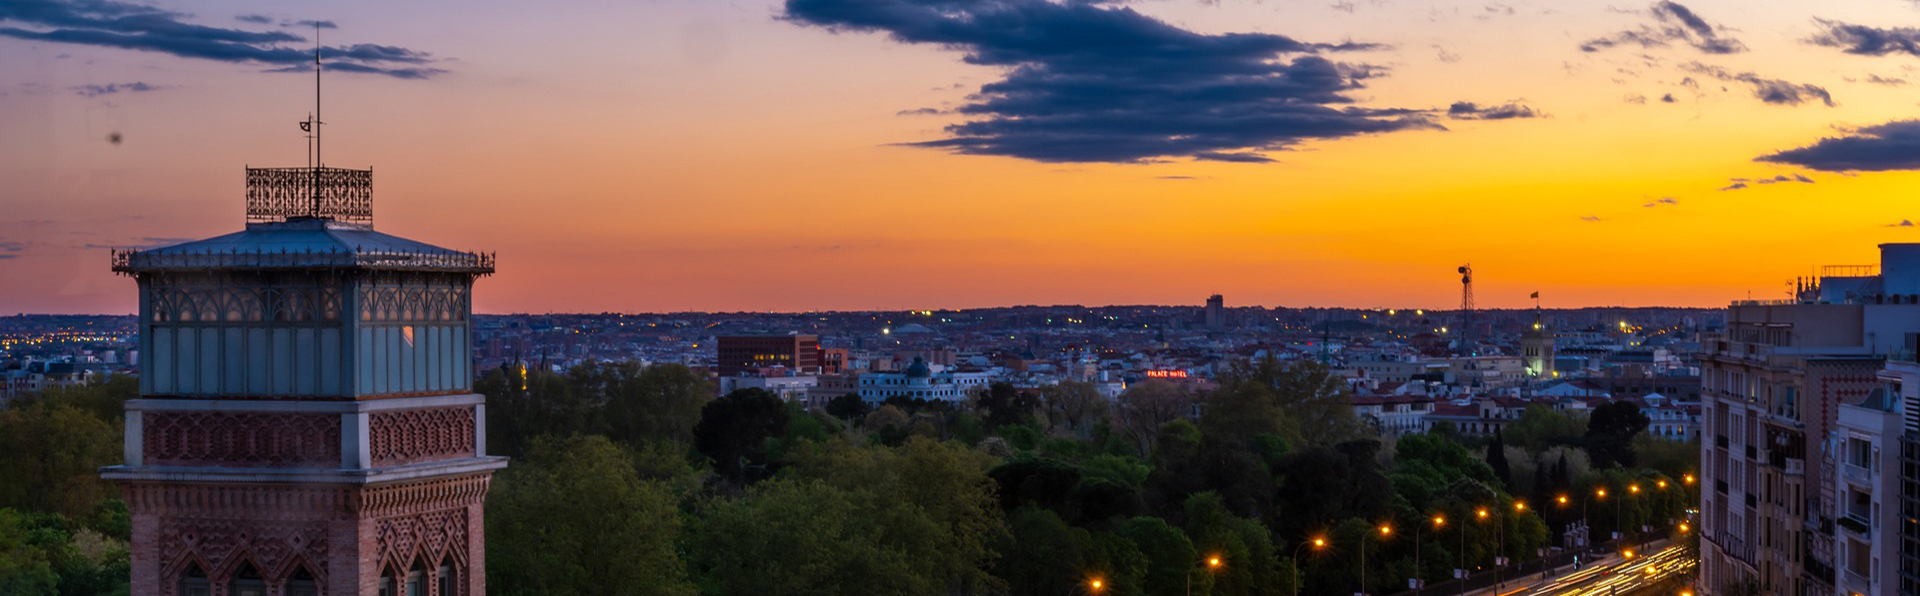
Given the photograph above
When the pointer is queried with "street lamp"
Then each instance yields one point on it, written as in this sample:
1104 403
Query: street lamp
1500 544
1461 573
1385 531
1212 564
1301 576
1418 583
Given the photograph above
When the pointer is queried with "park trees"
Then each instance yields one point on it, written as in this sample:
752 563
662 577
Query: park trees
573 518
1610 432
734 429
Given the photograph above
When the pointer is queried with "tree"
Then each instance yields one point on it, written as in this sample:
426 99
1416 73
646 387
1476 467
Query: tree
1143 408
1301 402
734 429
930 500
526 403
847 407
50 456
572 517
798 537
26 569
105 400
1043 554
1609 439
1541 427
1497 459
1171 557
890 423
1426 465
647 402
1074 406
1005 405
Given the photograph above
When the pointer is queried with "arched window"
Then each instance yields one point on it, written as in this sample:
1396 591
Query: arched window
247 582
193 582
388 587
302 584
417 581
449 579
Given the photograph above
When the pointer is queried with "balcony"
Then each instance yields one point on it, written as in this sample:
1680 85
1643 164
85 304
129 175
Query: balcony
1796 466
1737 548
1857 523
1854 583
1857 475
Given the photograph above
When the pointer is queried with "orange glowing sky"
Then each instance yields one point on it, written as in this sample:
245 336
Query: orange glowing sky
674 155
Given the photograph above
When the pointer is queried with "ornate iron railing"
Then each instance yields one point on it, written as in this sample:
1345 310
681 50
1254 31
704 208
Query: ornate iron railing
130 261
279 194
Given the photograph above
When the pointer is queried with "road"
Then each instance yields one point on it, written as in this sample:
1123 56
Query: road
1615 576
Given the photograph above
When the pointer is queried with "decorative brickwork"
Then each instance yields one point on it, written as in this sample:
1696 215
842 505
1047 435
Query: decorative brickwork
241 439
423 540
221 547
410 436
280 530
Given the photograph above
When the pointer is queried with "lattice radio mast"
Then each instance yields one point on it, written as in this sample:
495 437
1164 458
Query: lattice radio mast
1466 310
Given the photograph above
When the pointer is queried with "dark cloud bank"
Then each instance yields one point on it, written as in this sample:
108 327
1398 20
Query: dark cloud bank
108 23
1867 41
1093 82
1878 148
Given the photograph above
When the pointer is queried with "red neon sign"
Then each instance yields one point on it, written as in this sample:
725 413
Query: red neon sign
1166 374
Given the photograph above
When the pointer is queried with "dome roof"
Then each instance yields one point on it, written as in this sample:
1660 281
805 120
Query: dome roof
919 369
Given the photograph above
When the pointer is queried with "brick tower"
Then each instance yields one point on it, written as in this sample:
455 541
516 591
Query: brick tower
307 424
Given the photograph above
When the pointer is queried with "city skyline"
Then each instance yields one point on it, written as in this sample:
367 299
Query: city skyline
684 156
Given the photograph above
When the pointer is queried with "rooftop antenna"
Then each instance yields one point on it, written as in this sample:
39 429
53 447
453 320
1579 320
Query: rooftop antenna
1466 310
317 160
312 128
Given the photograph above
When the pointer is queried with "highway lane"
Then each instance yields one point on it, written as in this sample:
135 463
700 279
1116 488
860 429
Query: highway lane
1616 577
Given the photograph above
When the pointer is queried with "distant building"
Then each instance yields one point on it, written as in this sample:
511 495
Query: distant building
1394 415
745 353
1536 349
1215 316
795 388
1481 418
833 361
920 381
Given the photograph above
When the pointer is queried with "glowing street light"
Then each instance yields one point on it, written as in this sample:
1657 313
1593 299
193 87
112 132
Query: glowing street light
1213 564
1385 531
1300 577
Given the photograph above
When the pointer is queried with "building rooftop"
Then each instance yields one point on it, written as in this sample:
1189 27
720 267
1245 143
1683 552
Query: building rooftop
304 218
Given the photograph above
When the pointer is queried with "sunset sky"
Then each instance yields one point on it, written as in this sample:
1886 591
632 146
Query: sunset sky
667 155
